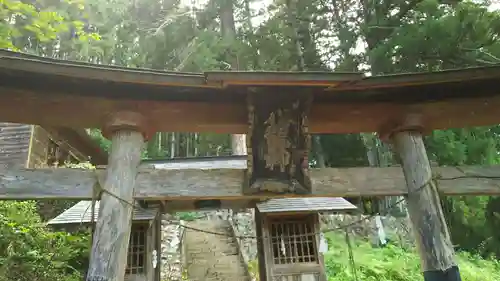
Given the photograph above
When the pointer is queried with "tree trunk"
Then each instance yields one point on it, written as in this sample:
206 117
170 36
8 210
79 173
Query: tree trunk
172 145
152 147
300 42
318 148
228 30
195 144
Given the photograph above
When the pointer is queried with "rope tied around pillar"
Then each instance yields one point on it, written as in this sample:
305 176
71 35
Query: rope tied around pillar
98 190
127 131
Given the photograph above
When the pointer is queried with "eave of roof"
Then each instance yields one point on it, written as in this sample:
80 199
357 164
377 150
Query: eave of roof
27 62
307 204
327 86
81 212
82 95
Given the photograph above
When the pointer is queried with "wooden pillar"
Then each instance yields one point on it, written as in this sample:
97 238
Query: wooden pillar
260 245
424 207
158 239
108 257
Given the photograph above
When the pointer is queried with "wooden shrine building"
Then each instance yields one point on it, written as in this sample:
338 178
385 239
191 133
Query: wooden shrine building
32 146
143 263
289 231
277 111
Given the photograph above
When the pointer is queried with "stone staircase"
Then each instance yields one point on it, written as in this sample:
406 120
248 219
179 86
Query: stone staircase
210 257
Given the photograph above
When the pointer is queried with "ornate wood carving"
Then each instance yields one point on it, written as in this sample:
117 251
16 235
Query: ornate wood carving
278 144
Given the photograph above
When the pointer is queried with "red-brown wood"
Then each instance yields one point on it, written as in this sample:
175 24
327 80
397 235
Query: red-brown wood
91 112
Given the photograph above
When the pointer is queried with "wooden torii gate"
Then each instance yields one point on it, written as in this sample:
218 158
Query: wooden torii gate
276 110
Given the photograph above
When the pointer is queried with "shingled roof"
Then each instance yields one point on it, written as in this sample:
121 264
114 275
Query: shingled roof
309 204
14 144
81 212
211 162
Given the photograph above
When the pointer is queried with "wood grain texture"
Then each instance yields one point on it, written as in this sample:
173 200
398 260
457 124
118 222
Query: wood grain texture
108 258
14 144
424 207
278 145
238 144
185 184
335 118
39 148
261 248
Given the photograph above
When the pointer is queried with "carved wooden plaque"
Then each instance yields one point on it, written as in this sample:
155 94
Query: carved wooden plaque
278 144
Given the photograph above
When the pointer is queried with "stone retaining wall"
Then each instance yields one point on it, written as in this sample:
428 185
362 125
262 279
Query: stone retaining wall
242 222
171 254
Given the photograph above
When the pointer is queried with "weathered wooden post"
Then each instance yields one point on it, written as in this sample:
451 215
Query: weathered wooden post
424 207
108 258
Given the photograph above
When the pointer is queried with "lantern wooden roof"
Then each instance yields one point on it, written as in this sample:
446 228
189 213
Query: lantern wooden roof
82 95
305 204
81 212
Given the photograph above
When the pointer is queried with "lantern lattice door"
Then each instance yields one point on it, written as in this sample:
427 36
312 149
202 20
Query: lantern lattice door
294 248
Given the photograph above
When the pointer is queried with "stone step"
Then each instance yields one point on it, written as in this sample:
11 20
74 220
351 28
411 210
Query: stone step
213 257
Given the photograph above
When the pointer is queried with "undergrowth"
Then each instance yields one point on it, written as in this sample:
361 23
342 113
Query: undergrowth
393 263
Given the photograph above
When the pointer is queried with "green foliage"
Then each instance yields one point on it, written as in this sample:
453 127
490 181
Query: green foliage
352 154
253 269
97 136
187 216
31 25
393 263
472 224
472 146
445 39
29 251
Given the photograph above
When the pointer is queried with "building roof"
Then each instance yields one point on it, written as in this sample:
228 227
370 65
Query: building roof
81 95
81 212
14 144
211 162
309 204
78 139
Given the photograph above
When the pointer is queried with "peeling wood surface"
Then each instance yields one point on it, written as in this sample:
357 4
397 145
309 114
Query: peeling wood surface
226 183
278 144
424 207
108 257
336 118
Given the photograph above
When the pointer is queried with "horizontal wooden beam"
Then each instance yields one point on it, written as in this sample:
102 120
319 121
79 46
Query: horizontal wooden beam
225 184
74 111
